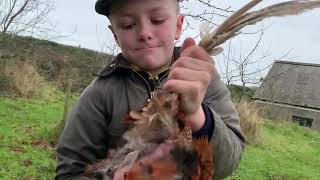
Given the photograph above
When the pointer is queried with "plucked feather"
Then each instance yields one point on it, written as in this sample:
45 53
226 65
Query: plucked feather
232 25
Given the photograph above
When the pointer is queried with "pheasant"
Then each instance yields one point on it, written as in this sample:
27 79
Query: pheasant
187 158
158 124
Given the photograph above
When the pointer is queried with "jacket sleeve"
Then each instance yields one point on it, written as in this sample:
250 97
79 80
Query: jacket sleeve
208 127
83 139
227 139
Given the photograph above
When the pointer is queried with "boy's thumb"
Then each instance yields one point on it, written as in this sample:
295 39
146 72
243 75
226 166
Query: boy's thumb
187 43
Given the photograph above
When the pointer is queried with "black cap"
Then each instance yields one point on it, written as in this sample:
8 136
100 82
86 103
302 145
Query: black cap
103 6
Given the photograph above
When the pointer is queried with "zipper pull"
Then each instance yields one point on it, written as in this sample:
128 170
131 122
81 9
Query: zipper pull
151 94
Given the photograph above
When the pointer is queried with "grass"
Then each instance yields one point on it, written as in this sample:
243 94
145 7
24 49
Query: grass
287 151
25 128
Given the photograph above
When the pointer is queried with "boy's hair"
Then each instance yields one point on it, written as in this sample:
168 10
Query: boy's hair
103 7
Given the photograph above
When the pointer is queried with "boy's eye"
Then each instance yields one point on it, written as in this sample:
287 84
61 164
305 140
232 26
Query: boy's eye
157 21
127 26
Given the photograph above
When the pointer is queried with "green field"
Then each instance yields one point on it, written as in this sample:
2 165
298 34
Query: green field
26 126
287 151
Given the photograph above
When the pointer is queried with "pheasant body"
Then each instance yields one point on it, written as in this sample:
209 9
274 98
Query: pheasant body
157 126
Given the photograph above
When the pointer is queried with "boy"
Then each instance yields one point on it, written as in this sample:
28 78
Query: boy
146 31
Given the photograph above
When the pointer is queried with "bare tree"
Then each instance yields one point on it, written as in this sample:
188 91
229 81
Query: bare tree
238 65
24 17
225 67
198 12
206 11
244 68
108 49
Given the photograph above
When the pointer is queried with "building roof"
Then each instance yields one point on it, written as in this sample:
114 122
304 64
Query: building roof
291 83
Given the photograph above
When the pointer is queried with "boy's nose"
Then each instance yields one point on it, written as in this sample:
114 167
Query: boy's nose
144 32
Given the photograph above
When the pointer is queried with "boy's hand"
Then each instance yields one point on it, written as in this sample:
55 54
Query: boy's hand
189 77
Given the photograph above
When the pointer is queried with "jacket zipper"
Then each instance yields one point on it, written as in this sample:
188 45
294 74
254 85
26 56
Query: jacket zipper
151 93
146 82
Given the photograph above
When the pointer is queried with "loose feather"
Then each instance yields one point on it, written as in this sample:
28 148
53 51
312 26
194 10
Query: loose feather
232 25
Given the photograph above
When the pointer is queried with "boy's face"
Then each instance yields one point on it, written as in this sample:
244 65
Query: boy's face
146 30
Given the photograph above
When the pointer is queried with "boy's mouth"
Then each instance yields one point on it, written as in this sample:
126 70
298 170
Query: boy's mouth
146 47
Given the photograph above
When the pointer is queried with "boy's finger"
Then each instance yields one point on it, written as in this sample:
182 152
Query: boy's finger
193 75
187 43
197 52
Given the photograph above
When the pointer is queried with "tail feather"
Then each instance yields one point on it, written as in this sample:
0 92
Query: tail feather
231 26
204 149
277 10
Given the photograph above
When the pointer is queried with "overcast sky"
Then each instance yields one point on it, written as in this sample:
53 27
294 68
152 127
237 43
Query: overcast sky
298 34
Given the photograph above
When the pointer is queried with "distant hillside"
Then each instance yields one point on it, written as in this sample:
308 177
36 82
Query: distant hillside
57 63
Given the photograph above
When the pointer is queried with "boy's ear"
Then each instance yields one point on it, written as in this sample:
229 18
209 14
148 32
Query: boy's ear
114 34
179 26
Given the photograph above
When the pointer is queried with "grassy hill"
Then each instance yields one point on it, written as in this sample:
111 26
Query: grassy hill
286 151
26 60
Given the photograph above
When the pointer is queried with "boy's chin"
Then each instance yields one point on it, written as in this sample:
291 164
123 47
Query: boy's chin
153 68
151 64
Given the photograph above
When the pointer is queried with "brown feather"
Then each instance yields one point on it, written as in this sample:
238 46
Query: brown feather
232 25
206 158
277 10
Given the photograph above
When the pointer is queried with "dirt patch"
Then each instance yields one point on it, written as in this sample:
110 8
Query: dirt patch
27 178
27 162
29 129
17 149
41 144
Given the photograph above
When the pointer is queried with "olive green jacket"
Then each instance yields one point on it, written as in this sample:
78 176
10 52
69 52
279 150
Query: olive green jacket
95 125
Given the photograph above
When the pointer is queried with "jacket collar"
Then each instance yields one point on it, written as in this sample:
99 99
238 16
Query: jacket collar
119 62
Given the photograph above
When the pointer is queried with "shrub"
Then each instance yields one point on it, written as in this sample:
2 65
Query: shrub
239 92
250 121
25 78
6 87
